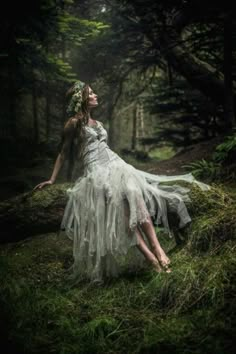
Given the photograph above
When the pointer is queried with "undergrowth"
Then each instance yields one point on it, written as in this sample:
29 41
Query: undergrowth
191 310
221 166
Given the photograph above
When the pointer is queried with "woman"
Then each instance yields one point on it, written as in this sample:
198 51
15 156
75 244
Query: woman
112 204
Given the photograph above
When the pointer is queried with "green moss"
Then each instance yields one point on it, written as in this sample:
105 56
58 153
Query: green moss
216 199
48 195
162 153
190 310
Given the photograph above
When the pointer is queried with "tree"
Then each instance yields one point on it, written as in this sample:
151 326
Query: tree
171 31
36 50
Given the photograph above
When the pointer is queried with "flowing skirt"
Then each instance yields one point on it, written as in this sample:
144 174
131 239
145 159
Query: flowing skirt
106 205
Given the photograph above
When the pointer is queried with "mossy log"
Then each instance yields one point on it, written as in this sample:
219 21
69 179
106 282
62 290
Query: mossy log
41 211
32 213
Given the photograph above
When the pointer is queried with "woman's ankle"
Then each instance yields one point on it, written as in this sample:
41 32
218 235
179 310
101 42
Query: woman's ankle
161 256
155 264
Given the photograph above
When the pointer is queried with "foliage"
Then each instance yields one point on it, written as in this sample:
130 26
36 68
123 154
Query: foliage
217 167
183 115
141 29
47 25
204 169
102 42
214 220
189 310
38 46
225 149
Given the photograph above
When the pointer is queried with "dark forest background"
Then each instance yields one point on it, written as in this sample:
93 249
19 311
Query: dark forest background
164 72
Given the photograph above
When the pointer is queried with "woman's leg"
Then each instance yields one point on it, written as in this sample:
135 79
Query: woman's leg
149 231
151 258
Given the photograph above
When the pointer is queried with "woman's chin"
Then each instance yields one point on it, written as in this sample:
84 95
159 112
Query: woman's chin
93 105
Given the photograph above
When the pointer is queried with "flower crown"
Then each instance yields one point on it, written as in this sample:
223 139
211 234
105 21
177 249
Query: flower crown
75 103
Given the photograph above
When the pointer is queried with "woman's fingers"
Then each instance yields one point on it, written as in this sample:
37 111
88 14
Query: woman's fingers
42 184
39 186
36 187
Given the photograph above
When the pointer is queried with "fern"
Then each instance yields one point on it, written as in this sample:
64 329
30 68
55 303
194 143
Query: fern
224 149
203 168
213 169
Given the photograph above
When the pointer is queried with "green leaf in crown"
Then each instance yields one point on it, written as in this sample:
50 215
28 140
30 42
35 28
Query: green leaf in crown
74 105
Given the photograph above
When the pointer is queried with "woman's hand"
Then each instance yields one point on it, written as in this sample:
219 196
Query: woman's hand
43 184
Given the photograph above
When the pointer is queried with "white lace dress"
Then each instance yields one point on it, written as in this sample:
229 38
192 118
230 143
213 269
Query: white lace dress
109 201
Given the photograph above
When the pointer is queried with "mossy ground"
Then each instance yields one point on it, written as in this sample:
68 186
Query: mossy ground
191 310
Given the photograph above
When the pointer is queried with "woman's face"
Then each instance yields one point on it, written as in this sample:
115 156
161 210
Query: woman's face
93 102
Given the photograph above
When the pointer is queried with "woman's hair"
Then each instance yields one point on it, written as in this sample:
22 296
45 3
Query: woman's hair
77 122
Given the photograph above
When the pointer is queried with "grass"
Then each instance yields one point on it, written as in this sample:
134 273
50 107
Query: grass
191 310
157 154
162 153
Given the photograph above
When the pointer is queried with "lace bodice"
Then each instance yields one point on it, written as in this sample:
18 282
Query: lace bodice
96 150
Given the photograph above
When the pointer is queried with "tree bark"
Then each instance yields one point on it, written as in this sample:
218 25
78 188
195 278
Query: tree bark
48 110
35 113
32 213
40 212
228 80
64 86
12 74
198 73
134 129
111 118
114 95
170 45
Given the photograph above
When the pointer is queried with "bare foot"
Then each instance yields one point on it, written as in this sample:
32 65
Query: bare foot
156 265
163 259
167 268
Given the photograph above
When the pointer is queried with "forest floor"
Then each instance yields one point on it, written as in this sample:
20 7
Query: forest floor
175 164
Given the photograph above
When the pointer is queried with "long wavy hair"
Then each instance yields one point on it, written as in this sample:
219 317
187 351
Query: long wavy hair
81 120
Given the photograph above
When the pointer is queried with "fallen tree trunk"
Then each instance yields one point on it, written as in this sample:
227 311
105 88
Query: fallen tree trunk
40 212
32 213
35 213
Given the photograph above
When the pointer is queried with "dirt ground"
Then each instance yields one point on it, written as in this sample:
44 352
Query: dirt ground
175 165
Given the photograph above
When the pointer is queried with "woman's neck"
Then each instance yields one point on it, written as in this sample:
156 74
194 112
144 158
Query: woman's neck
90 119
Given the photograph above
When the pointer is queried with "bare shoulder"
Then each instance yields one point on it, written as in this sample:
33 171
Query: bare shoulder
70 125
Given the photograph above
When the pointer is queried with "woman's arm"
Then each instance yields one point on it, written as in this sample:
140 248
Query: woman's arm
57 166
69 131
